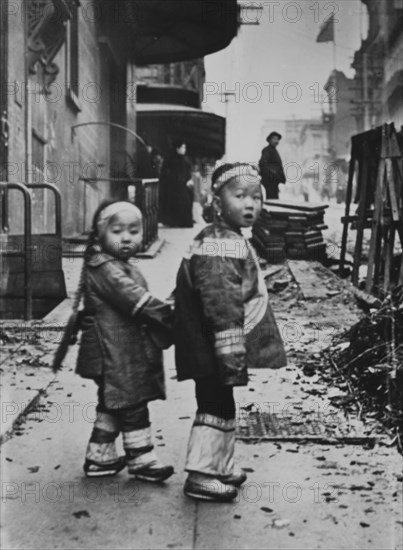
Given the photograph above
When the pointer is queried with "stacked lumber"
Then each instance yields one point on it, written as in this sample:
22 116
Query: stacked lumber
379 154
290 230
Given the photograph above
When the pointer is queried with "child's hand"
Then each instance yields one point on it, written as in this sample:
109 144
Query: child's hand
171 298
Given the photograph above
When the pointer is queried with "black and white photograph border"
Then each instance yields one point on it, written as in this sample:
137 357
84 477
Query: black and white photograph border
201 298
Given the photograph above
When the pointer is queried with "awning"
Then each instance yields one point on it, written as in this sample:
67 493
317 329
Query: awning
172 95
165 31
203 132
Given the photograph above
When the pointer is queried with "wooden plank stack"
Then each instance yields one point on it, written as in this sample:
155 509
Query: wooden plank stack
290 230
376 164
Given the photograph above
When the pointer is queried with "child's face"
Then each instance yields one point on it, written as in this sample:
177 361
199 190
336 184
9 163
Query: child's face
123 236
240 202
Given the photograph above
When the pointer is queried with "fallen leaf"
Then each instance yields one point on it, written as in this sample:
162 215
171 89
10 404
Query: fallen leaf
33 469
280 523
81 514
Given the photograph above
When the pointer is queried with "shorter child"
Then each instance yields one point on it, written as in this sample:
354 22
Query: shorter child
121 328
224 325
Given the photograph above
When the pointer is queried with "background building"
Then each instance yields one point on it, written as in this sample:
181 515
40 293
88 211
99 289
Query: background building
379 67
340 120
68 92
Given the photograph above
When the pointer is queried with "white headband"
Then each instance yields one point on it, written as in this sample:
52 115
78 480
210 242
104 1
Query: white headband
113 209
247 170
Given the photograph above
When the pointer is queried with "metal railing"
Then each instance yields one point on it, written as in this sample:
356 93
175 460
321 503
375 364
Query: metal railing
27 253
147 200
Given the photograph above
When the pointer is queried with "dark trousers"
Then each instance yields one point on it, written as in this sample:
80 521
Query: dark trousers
271 190
128 418
214 398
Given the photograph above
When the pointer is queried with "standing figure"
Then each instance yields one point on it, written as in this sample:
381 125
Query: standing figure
176 189
224 325
271 166
123 330
157 160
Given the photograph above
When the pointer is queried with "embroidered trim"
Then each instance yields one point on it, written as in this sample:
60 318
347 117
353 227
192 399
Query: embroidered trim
230 341
220 248
205 419
141 303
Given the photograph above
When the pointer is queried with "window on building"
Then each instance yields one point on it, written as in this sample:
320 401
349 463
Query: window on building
72 60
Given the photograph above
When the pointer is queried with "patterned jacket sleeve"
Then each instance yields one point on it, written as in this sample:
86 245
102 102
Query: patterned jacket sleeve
116 287
219 283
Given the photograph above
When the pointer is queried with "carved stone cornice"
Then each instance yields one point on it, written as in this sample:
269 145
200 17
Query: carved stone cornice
46 29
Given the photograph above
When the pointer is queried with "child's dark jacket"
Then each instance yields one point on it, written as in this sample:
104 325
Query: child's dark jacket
117 341
223 320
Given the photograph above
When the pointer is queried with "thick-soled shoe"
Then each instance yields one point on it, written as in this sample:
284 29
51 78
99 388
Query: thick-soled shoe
97 469
211 489
155 475
236 479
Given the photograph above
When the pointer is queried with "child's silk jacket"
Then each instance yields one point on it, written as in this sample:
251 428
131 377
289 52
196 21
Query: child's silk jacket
223 320
117 343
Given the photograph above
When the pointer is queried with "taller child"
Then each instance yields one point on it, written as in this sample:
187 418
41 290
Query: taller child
223 326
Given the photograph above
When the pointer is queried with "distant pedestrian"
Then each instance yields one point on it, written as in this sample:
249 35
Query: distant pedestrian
157 160
123 331
145 168
224 325
176 188
271 166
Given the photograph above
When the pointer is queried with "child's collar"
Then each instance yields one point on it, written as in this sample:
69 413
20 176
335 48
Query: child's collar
224 225
99 258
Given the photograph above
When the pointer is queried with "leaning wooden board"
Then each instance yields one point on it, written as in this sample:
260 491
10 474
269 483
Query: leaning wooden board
305 207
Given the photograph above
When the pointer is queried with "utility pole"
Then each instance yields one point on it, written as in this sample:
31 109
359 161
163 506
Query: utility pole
225 97
365 92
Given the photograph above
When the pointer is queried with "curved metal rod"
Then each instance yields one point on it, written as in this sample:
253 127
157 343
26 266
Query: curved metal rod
28 246
113 124
58 203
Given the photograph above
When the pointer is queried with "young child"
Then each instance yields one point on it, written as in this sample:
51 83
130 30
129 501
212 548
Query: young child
120 330
223 326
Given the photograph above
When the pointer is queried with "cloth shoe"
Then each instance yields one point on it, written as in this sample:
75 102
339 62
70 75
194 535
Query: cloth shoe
236 478
101 459
99 469
141 458
204 487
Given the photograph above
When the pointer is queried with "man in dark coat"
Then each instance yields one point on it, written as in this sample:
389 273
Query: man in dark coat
271 166
176 191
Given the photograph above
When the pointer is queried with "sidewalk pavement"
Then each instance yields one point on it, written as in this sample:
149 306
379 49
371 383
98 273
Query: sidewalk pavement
299 496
